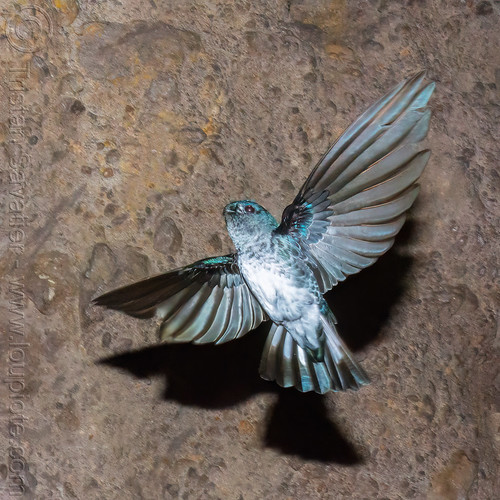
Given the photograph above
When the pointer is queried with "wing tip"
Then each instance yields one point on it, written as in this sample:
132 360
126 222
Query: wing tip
417 76
104 300
430 87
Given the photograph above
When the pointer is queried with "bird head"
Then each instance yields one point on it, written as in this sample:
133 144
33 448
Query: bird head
246 221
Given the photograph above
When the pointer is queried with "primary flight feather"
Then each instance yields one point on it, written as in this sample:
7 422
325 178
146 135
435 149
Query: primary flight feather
344 217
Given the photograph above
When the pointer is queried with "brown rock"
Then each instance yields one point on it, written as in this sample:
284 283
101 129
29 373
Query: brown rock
102 264
454 480
68 420
67 11
167 237
111 50
50 281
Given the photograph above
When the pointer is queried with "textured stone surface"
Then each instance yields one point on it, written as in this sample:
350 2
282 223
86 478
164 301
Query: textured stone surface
141 120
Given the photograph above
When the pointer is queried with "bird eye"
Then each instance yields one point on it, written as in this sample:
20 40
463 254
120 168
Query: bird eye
249 209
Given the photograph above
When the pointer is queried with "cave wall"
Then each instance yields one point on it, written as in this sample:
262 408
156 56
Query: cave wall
138 122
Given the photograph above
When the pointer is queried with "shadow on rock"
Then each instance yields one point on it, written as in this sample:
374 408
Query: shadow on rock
299 425
207 376
223 376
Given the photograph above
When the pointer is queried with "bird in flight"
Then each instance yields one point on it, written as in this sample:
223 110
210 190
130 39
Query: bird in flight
344 217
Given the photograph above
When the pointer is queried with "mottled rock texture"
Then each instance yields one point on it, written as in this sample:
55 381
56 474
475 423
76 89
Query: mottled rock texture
140 121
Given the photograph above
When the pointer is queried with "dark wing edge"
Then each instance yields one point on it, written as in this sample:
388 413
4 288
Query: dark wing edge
354 202
207 301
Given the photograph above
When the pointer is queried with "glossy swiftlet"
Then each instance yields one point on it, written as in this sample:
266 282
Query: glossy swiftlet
344 217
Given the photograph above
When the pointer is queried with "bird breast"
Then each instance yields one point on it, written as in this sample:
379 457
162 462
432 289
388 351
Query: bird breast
278 287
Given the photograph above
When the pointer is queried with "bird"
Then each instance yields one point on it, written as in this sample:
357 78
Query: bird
346 215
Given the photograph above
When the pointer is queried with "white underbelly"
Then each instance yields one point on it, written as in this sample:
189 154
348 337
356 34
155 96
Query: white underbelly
277 293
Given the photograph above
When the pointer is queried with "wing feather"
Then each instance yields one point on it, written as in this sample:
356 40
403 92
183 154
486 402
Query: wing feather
354 202
207 301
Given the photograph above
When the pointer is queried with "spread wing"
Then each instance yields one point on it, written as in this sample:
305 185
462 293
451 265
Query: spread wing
207 301
353 203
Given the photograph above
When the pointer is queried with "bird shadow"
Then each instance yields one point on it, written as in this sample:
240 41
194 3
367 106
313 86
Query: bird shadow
299 425
215 377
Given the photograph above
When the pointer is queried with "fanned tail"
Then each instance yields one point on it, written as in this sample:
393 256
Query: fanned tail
284 361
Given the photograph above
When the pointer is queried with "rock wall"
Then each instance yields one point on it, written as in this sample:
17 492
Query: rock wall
125 128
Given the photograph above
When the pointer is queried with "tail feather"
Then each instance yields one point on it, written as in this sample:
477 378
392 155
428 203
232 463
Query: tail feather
350 372
284 361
